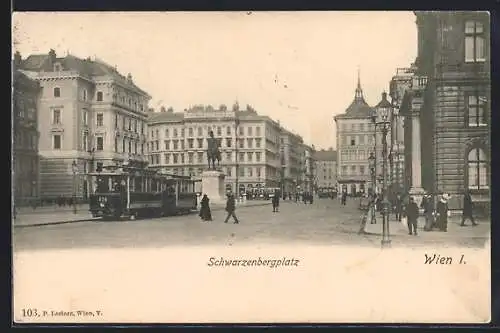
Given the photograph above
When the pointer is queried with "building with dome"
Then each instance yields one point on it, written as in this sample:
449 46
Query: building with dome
355 141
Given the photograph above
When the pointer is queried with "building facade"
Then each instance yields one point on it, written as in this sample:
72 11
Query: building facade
448 105
89 115
325 169
294 163
25 137
357 137
249 144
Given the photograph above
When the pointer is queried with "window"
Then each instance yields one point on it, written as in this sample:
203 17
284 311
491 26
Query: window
56 141
176 144
166 133
100 119
228 156
142 148
99 96
250 131
130 124
257 156
353 142
190 131
257 131
228 130
229 172
249 157
228 142
135 147
258 172
56 117
175 132
167 158
85 117
219 142
84 94
176 158
200 143
200 157
84 141
249 142
135 125
242 157
116 120
190 158
57 92
250 172
182 144
242 172
125 125
343 139
219 131
241 142
191 143
344 170
100 143
182 158
116 144
200 131
474 42
241 131
361 139
182 132
477 169
476 111
124 143
361 127
257 142
361 169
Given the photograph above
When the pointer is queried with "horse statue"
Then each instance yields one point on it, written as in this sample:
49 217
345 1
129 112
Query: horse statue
213 152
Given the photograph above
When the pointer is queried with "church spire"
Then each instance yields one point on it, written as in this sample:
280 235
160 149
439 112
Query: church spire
358 96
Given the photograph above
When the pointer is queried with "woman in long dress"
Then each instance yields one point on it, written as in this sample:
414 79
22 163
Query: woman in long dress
205 213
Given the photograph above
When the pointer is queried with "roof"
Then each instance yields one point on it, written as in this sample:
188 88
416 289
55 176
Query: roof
358 107
325 155
21 79
86 67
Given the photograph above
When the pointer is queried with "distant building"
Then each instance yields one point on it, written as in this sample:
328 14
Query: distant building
356 139
325 166
448 107
25 137
89 114
293 161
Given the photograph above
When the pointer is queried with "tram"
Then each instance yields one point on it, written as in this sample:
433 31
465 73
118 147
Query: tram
130 192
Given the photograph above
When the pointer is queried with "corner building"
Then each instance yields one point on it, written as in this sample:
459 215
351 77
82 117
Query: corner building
88 114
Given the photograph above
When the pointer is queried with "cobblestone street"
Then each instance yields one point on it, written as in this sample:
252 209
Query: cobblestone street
323 223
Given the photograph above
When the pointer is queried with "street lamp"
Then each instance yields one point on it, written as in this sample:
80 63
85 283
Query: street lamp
236 129
371 163
383 108
75 171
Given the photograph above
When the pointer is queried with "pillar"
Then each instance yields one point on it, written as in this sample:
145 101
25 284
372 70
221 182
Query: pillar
416 189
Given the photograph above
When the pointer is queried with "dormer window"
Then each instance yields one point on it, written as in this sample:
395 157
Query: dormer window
57 67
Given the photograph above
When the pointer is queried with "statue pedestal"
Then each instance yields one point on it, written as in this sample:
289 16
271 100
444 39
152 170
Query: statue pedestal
212 184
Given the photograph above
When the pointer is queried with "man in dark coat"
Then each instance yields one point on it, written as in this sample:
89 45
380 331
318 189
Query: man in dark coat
467 210
343 198
399 207
442 213
428 207
205 213
276 201
231 208
412 214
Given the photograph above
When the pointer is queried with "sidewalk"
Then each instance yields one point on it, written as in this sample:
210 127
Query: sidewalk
62 215
50 209
397 228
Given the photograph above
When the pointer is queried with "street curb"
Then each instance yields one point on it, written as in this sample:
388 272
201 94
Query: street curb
97 219
55 223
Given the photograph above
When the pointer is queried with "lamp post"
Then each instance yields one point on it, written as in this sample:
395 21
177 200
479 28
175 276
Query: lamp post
383 109
371 163
236 129
75 171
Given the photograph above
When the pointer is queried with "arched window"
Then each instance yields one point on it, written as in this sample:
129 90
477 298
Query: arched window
477 169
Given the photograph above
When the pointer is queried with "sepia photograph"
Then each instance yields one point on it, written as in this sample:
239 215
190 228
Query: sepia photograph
251 167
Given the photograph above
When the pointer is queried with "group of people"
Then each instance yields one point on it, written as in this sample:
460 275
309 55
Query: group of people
436 215
206 213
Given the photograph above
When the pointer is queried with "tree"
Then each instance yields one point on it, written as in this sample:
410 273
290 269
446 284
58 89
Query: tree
223 107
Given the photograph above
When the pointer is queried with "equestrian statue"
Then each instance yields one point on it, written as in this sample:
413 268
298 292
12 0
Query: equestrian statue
213 152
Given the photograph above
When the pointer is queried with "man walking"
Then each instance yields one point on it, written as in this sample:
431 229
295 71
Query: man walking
231 208
467 210
412 214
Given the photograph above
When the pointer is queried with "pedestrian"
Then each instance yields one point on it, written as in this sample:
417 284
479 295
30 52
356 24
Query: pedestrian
311 198
442 213
276 202
467 210
428 207
343 199
231 208
412 214
399 207
205 212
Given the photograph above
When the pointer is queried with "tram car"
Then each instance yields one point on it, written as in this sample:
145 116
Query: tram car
129 193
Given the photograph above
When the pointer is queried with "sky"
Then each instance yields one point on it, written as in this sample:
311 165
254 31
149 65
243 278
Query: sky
300 68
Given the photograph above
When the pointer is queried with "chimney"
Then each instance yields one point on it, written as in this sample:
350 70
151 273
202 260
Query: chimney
170 110
162 109
129 77
52 56
17 59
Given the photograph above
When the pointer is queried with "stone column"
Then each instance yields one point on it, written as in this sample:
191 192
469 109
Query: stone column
416 189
